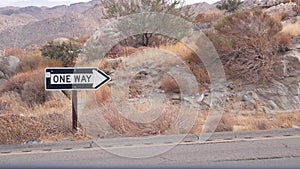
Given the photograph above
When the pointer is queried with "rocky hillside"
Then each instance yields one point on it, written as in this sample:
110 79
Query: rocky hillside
7 22
202 8
42 13
70 25
60 21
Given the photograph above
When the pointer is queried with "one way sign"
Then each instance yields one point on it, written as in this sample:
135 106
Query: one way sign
74 78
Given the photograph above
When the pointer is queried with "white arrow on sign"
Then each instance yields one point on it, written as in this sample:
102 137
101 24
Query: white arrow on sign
98 78
74 78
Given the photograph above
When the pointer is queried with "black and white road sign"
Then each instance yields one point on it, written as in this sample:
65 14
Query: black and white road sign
74 78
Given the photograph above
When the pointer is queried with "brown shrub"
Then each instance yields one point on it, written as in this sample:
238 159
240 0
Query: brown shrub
169 84
103 95
15 52
248 24
29 85
208 17
127 127
220 42
287 120
244 41
193 62
19 129
261 124
37 62
226 124
282 41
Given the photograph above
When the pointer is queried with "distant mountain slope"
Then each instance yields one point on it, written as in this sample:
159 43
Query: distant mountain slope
75 21
39 32
42 13
7 22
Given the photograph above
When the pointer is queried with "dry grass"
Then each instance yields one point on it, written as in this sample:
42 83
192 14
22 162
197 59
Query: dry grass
208 17
226 123
193 62
292 29
179 49
29 85
127 127
103 95
16 129
288 120
50 121
15 52
266 122
29 113
35 62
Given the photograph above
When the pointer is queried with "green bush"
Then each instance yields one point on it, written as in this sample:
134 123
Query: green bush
65 52
229 5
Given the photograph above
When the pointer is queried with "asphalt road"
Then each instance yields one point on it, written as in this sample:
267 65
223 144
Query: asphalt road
271 149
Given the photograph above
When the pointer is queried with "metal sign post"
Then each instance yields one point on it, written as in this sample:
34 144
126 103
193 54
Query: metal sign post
74 79
74 110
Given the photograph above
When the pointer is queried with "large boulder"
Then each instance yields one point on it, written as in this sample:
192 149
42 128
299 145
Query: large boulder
281 94
9 65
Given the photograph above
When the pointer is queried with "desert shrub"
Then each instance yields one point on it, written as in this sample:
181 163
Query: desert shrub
248 24
169 84
18 129
229 5
226 124
221 42
191 59
120 8
261 124
37 62
65 52
288 120
208 17
29 85
103 95
282 41
15 52
245 42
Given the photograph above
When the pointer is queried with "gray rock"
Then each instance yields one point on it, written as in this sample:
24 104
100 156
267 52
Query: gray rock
10 65
2 82
250 100
2 75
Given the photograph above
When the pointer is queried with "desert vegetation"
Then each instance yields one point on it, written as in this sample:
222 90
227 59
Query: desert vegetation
28 112
251 44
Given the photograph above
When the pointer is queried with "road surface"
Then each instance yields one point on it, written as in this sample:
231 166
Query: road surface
271 149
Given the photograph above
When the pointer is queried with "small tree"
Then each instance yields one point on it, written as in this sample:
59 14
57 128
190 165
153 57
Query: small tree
229 5
120 8
67 53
